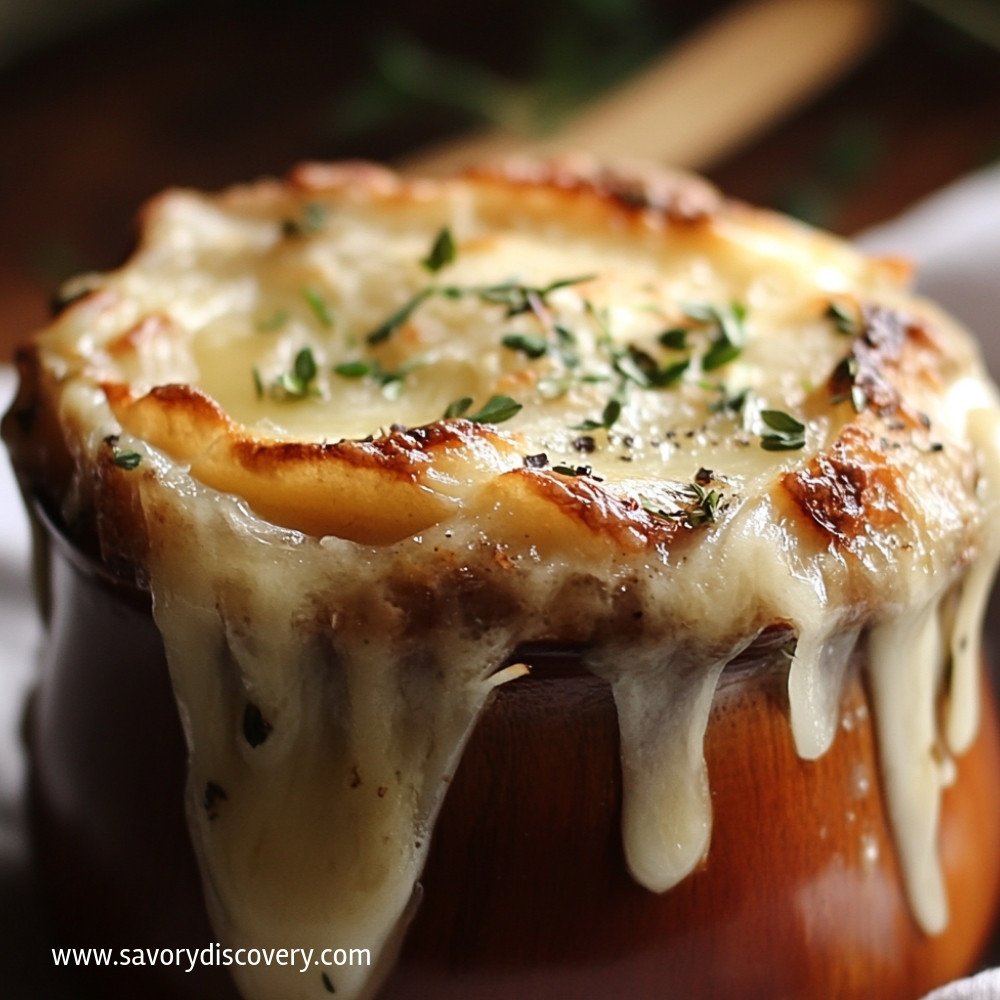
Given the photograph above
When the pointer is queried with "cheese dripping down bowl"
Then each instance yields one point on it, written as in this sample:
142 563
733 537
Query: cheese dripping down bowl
556 580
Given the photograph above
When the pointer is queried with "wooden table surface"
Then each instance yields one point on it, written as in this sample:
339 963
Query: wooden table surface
213 93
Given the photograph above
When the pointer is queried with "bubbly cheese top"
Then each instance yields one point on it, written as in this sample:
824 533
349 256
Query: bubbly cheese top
362 436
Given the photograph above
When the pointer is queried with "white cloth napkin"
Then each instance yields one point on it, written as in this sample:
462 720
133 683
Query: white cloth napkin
955 239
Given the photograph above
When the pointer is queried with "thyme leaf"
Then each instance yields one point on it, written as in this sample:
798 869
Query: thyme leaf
843 318
785 432
318 304
298 383
530 345
515 297
352 369
719 354
457 407
127 460
702 506
844 384
275 321
728 331
388 327
442 252
674 338
496 410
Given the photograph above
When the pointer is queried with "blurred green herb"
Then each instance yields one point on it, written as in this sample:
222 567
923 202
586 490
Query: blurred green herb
496 410
784 433
442 251
297 383
318 304
569 51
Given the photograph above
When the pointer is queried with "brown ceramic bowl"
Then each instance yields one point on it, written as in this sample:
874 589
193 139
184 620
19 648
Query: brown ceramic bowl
526 892
411 548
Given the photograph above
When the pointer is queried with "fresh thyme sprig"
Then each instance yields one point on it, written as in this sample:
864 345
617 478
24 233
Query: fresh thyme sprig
390 381
701 506
443 251
844 384
844 320
515 297
726 325
319 306
531 345
297 383
784 433
495 410
389 326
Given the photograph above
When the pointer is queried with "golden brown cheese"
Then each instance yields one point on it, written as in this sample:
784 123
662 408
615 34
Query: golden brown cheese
352 425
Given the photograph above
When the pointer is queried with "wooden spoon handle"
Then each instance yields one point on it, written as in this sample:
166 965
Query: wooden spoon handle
713 91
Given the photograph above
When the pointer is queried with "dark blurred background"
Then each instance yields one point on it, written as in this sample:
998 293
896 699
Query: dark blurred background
102 104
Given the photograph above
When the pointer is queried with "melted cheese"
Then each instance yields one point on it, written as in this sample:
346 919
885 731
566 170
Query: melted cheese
294 544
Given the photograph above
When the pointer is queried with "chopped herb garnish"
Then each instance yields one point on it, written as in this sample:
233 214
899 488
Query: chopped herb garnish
785 432
528 344
566 336
390 381
671 374
304 365
612 411
311 221
256 728
719 354
702 505
843 319
635 365
609 417
732 402
275 321
294 384
128 460
727 326
538 461
844 385
706 507
517 298
496 410
352 369
386 329
442 251
553 286
318 304
457 407
675 338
